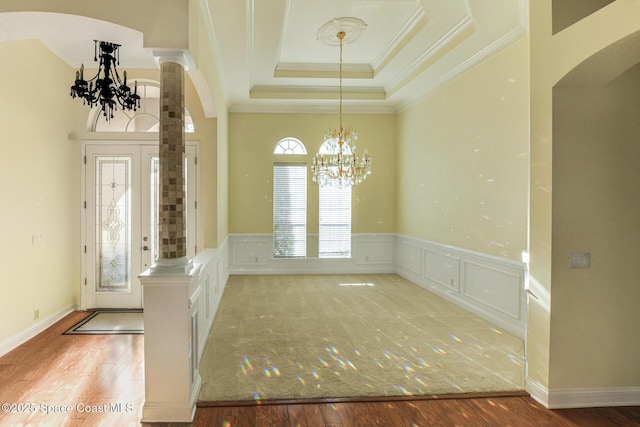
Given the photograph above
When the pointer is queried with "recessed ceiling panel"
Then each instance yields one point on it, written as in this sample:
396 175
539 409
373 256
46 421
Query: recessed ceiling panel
385 19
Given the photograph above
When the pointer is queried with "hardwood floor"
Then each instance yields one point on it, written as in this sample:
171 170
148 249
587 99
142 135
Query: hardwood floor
71 375
500 411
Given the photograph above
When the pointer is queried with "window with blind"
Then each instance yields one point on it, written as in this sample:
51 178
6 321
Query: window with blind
289 210
334 240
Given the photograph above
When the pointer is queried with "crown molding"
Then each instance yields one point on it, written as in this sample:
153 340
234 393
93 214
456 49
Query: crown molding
329 71
456 35
512 36
316 92
417 22
309 108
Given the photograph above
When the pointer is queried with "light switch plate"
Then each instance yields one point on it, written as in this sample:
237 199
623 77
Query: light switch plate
580 260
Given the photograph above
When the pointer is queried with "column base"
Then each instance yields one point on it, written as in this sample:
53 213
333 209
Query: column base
181 265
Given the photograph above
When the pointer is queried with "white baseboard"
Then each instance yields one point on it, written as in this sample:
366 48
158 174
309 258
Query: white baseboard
9 344
583 397
164 412
538 392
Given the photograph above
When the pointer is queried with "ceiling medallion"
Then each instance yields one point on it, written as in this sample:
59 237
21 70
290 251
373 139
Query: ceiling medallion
336 164
351 27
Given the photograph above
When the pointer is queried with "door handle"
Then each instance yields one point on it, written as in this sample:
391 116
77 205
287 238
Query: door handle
145 248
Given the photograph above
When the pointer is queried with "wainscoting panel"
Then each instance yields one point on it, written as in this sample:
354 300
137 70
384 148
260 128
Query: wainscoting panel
253 254
442 269
251 250
497 289
408 258
372 249
488 286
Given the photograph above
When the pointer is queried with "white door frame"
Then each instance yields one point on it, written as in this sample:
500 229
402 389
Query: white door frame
87 296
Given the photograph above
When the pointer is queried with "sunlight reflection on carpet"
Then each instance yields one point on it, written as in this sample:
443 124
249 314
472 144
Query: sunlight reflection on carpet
330 336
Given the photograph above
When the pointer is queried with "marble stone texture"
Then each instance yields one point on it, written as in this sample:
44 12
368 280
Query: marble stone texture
172 237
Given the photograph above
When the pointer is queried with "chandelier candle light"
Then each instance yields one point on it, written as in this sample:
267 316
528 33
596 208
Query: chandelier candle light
336 163
106 91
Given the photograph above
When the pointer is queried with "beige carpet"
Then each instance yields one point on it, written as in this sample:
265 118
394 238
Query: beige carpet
329 336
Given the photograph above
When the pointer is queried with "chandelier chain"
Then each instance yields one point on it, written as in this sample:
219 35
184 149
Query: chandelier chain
341 35
336 164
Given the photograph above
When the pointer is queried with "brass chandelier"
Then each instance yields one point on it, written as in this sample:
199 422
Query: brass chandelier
336 164
106 88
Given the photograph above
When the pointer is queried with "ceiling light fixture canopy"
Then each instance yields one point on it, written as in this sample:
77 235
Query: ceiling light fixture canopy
106 88
336 163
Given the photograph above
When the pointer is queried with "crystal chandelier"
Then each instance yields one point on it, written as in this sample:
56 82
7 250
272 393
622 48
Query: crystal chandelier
106 88
336 164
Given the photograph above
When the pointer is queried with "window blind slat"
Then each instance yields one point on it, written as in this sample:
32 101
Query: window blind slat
289 210
334 240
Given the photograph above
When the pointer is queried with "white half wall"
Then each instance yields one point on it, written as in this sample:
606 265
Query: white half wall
180 307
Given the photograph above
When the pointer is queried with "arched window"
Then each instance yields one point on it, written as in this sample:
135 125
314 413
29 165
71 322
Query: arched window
290 145
330 146
289 202
144 119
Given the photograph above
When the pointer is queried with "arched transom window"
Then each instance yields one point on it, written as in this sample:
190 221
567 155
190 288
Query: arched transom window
290 145
144 119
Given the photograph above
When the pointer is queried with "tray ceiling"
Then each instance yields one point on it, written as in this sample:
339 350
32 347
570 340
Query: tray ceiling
271 60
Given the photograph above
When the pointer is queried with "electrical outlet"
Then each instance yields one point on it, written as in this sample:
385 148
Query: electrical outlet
36 314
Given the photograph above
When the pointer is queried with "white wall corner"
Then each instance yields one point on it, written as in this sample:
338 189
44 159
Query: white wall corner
537 391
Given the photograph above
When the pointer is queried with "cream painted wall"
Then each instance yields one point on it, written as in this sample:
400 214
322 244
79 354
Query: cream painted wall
201 38
561 353
463 159
149 17
596 206
539 307
40 185
206 134
252 140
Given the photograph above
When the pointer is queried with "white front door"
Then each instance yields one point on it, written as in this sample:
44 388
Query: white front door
121 220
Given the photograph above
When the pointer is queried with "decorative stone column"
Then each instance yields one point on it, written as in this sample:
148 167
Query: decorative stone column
172 239
171 286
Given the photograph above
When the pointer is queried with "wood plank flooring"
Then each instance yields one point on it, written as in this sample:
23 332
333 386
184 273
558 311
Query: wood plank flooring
78 373
488 411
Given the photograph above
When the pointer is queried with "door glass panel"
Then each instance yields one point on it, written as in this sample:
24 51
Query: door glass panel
113 224
154 203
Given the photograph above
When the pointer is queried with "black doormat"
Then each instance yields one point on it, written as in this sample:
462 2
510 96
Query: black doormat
110 322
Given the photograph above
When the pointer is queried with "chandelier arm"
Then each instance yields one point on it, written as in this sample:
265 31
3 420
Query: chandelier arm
102 91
